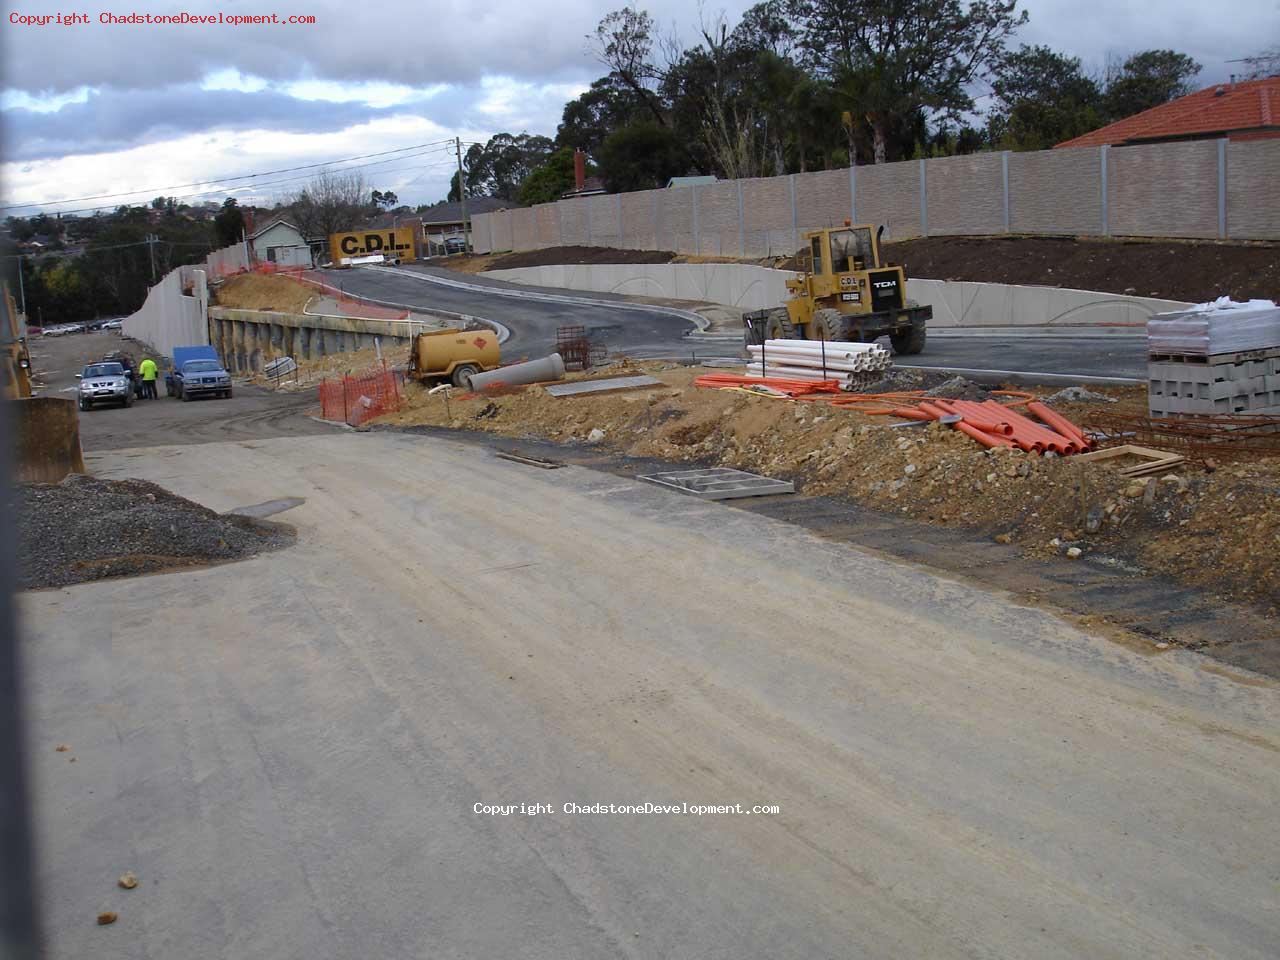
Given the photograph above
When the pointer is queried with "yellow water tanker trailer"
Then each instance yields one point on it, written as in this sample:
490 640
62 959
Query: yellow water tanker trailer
453 355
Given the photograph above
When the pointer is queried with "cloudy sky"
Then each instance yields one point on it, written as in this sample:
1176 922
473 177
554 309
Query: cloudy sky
94 109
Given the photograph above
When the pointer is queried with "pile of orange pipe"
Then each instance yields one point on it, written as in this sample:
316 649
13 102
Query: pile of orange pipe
792 388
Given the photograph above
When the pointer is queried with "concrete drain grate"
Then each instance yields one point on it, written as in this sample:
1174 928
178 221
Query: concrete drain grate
721 483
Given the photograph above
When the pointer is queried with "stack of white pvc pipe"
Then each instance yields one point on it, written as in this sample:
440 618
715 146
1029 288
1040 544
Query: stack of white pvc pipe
805 360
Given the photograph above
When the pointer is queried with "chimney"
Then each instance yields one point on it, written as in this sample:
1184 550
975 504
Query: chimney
579 170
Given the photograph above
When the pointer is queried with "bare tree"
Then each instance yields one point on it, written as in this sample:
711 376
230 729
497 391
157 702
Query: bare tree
623 42
332 202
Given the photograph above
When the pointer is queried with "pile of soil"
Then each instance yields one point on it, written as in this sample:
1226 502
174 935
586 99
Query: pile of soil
86 528
1191 526
555 255
1170 270
255 291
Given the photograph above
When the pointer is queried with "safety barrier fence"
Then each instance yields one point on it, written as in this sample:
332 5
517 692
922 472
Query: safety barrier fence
354 399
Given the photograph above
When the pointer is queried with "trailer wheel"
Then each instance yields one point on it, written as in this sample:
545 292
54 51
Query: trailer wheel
460 375
779 325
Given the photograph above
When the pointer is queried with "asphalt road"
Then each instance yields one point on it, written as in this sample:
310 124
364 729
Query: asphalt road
250 413
532 323
289 751
642 333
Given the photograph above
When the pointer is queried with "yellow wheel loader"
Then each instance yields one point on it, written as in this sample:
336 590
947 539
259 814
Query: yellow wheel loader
847 293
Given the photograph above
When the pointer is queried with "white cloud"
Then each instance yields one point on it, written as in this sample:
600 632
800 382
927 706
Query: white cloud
42 103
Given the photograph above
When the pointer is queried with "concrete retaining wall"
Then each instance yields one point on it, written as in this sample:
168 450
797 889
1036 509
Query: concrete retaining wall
170 317
955 304
248 339
1203 188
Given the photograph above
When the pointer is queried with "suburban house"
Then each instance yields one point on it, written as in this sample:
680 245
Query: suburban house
280 242
1249 110
443 221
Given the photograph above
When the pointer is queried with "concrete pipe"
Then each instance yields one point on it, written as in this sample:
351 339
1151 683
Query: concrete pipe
532 371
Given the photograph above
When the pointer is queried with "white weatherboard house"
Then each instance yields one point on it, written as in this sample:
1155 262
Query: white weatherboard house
280 242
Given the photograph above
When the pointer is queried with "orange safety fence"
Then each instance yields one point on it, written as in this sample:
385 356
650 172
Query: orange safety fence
354 399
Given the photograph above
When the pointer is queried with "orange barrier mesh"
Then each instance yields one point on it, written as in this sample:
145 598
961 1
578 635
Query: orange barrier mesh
355 399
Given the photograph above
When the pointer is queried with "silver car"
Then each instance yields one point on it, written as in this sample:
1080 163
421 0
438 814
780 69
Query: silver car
104 383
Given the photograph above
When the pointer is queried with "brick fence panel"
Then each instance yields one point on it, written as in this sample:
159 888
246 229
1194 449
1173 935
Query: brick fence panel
718 219
639 227
1253 189
547 225
524 233
767 210
822 199
889 194
965 194
1056 191
605 229
675 214
1163 190
573 219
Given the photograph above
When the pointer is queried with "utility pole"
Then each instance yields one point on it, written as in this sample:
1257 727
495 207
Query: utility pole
462 194
151 241
22 293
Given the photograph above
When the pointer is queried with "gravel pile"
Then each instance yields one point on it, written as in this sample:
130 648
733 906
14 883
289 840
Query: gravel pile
958 388
86 528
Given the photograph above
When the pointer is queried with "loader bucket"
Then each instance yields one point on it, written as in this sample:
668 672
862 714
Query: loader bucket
46 438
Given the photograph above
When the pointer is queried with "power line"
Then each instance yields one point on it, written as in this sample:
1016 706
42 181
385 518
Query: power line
254 186
159 191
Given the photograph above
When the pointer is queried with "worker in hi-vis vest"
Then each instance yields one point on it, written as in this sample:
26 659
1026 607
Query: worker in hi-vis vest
148 371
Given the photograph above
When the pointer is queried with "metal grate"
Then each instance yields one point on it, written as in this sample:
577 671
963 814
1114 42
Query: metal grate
721 483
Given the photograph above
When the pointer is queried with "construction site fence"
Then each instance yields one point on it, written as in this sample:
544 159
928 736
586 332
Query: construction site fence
354 399
1210 189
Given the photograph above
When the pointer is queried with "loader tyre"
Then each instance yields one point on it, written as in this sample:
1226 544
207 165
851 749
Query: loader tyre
779 325
460 375
827 324
909 341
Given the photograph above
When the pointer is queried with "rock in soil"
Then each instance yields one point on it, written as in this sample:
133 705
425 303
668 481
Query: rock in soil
86 528
958 388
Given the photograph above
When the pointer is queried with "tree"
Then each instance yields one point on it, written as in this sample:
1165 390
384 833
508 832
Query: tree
1147 80
623 42
550 181
606 106
499 167
640 157
1041 98
904 56
330 203
228 225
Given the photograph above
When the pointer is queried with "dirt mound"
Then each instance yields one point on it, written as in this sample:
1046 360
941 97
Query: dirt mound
1167 269
86 528
553 255
1192 526
255 291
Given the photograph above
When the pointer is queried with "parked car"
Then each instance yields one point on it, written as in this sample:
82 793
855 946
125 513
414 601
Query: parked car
196 372
58 330
455 245
104 382
116 324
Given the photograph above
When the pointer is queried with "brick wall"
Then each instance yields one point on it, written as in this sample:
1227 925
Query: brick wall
1055 191
1163 190
1156 190
1253 189
965 195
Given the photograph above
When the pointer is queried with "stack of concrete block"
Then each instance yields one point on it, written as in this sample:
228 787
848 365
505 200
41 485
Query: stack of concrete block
1218 358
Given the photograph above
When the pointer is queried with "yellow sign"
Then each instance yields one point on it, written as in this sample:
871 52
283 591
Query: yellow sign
394 244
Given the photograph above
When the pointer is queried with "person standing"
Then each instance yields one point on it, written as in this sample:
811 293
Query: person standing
148 371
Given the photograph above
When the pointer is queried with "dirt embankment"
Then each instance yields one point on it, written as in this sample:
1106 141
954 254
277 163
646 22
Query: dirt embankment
1217 529
254 291
1167 269
1170 270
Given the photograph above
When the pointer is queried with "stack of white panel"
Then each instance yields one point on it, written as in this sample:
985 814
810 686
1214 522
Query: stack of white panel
808 359
1209 329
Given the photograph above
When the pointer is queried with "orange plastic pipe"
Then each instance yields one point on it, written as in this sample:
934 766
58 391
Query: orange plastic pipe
1058 422
986 439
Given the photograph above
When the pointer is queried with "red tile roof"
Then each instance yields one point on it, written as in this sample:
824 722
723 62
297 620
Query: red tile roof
1249 110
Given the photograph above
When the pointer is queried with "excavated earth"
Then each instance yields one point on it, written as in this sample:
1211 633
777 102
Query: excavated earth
1213 529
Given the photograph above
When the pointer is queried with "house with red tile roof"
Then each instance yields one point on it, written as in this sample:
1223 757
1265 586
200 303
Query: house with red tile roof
1237 111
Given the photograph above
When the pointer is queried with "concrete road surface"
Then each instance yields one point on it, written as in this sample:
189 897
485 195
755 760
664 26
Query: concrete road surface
290 751
532 323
